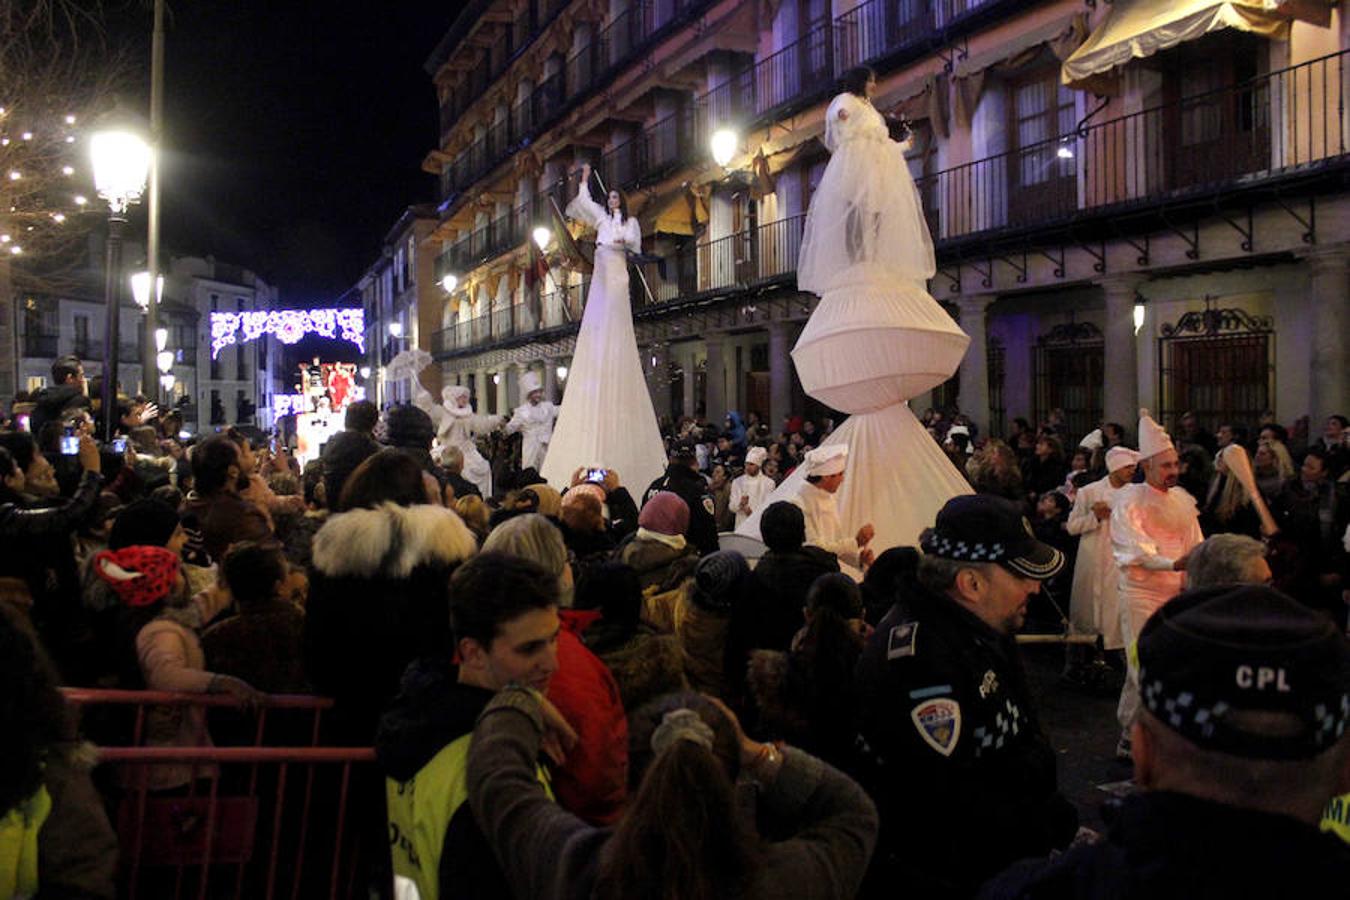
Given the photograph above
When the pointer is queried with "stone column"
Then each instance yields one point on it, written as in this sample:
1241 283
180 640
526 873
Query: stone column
503 399
780 374
1120 392
1330 296
687 366
480 383
715 400
513 373
550 379
974 371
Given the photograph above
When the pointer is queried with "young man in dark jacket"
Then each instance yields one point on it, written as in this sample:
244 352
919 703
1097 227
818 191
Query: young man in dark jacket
67 393
504 613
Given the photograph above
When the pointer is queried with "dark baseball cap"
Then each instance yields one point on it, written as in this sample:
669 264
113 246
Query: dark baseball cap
1209 654
984 528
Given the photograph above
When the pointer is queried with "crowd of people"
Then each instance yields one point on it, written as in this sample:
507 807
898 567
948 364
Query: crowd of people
581 693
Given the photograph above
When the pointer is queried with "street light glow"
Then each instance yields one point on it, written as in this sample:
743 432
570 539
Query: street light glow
140 289
1138 317
15 174
542 236
81 199
365 372
724 142
121 164
70 120
67 170
161 338
396 329
562 372
1064 152
449 282
164 359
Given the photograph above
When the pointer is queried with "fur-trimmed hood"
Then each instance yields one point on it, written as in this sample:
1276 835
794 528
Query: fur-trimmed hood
390 541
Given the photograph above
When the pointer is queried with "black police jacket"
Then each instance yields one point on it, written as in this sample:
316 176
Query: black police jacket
952 751
693 490
1164 845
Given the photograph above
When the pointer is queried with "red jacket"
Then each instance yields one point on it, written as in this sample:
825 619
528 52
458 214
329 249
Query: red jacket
593 783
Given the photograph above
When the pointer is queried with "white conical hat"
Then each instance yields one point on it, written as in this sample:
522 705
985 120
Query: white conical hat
1152 439
529 383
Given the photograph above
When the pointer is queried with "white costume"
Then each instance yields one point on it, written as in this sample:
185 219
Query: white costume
607 420
535 423
754 488
1094 605
456 426
312 431
876 339
823 526
1150 530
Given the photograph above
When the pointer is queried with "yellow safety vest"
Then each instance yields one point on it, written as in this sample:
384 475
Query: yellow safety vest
1336 818
420 810
19 845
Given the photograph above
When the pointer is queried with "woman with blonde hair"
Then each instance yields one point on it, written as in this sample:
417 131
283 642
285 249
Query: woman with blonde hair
1273 465
474 512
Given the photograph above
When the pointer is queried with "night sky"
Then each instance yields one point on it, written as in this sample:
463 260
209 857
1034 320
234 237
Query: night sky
295 131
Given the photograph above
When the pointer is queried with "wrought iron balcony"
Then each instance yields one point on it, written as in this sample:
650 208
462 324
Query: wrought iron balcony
40 345
1113 176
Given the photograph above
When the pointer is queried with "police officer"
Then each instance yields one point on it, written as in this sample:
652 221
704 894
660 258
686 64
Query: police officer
682 477
1239 743
949 741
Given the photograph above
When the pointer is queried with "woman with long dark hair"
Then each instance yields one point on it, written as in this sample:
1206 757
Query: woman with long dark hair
805 696
606 420
682 836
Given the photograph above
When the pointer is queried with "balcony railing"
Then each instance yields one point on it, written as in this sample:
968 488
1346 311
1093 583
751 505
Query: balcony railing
1269 126
40 345
93 351
1284 123
618 44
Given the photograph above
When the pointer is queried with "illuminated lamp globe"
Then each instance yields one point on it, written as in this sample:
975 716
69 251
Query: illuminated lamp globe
542 236
140 289
724 143
449 282
121 159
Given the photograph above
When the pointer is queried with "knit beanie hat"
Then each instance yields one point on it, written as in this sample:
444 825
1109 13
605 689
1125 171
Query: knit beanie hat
665 513
139 575
146 522
717 579
408 426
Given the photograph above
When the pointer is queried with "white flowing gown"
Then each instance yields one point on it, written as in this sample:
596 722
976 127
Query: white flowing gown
876 338
606 420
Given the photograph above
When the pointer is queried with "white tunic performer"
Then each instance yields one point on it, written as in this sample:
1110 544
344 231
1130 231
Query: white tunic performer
456 425
534 420
607 420
824 475
1094 605
1154 527
749 491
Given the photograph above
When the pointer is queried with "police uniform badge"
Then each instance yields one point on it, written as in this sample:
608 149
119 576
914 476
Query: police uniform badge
901 641
938 722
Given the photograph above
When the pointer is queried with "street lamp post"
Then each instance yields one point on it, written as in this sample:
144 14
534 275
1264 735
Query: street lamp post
121 161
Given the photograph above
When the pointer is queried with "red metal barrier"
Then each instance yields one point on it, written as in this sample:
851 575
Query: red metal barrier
273 822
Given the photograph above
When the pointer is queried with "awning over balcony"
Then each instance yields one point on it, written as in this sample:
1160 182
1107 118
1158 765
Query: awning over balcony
1135 29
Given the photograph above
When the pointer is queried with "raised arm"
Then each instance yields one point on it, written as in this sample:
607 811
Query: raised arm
583 207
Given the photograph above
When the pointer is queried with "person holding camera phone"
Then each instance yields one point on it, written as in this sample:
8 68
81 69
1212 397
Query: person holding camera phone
38 541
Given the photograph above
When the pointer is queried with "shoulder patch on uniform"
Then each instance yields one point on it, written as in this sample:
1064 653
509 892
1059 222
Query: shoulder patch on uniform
709 505
901 640
938 722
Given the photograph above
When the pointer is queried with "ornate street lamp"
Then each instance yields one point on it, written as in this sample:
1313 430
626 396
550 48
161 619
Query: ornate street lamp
121 159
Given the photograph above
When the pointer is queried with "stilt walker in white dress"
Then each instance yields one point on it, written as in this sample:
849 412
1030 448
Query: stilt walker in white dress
606 420
876 338
456 425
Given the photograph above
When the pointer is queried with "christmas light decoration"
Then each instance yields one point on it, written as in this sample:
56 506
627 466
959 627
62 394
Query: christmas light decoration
289 325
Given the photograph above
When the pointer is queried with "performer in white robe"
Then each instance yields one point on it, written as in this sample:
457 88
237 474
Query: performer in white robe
1154 527
824 475
607 420
749 491
456 425
1094 607
534 420
876 339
